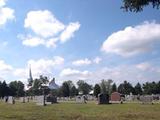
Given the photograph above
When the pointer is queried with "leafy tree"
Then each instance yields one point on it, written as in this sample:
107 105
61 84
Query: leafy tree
70 84
114 88
73 91
0 89
59 92
97 90
4 89
106 86
39 85
126 88
68 89
43 79
138 89
150 88
158 87
138 5
84 87
65 89
17 88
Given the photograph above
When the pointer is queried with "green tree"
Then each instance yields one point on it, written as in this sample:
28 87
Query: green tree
114 88
65 89
16 88
97 90
138 5
126 88
150 88
39 85
0 89
43 79
68 89
4 89
59 92
70 84
73 91
138 89
106 86
158 87
84 87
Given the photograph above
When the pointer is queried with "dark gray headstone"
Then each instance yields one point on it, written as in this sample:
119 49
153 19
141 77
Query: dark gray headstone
103 99
51 99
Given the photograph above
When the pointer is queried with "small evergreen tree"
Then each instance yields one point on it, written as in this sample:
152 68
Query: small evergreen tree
97 90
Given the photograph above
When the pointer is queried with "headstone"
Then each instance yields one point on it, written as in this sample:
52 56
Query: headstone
116 97
22 99
81 99
27 99
103 99
50 99
6 99
129 97
40 100
11 100
146 99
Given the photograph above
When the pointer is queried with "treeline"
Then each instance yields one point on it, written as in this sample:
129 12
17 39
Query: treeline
15 88
38 86
68 88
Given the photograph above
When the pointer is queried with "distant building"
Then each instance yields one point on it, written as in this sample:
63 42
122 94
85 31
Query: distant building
53 85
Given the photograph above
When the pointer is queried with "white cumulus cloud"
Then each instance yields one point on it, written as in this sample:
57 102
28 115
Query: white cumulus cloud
69 31
36 41
74 72
39 67
43 23
2 3
33 41
6 13
5 69
97 60
81 62
4 66
46 29
133 40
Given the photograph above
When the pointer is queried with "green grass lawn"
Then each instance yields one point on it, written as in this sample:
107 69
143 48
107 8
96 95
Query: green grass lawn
73 111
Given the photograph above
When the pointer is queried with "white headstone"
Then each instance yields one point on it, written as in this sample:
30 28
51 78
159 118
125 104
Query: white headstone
11 100
40 100
146 99
80 99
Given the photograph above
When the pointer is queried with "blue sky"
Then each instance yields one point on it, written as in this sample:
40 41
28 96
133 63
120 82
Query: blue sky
78 39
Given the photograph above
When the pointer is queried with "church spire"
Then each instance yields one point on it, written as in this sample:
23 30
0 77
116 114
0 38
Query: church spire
30 80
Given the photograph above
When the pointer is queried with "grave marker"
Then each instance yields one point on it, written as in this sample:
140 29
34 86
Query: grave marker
146 99
116 97
103 99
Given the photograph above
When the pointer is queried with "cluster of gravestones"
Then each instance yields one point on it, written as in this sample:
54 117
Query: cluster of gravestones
102 99
118 98
45 100
39 100
106 99
81 99
9 99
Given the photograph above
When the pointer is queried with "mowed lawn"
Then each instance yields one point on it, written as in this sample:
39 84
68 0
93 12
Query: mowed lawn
73 111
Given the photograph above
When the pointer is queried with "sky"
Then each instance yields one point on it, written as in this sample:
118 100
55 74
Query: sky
78 40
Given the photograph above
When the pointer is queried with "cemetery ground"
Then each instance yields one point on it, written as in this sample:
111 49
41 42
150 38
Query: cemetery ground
73 111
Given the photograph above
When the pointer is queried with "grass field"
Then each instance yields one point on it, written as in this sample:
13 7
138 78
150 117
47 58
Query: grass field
73 111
